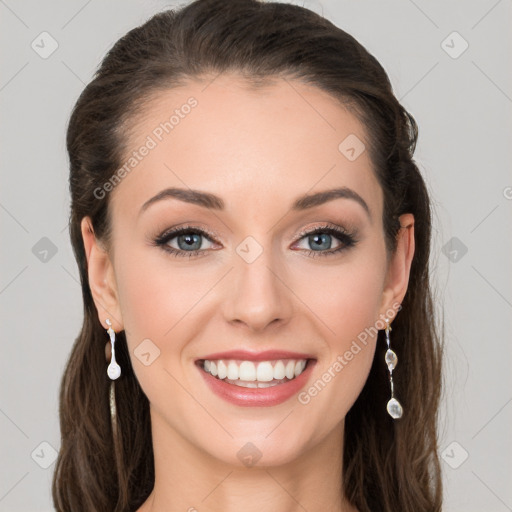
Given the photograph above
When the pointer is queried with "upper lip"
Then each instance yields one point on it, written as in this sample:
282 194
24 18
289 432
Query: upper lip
266 355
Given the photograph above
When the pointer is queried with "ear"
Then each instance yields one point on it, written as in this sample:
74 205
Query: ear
397 276
101 278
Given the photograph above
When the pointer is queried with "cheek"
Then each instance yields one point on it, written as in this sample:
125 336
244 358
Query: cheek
152 302
154 295
346 299
158 301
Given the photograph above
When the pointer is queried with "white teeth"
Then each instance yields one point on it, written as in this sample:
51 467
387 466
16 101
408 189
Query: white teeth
232 371
289 372
246 371
279 370
250 374
222 371
299 366
265 372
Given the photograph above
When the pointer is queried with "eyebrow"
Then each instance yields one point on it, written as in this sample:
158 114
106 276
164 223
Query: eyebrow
211 201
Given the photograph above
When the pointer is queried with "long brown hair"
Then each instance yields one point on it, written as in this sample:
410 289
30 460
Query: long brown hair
388 465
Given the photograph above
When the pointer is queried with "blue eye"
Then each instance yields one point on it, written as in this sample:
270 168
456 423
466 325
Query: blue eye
186 238
189 241
321 238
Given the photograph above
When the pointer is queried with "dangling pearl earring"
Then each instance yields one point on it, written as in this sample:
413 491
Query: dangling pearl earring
113 370
394 408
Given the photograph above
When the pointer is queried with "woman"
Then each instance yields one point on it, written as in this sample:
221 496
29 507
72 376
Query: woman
248 222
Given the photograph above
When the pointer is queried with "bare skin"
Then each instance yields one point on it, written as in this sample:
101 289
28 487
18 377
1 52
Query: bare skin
258 150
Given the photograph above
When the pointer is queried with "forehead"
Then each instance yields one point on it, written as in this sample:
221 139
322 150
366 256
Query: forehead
256 147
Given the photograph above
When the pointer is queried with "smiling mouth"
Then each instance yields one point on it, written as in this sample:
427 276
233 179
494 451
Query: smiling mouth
249 374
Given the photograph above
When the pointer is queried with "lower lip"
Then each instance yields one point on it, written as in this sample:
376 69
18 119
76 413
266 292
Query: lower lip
258 397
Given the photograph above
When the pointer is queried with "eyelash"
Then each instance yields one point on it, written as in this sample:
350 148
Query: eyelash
347 240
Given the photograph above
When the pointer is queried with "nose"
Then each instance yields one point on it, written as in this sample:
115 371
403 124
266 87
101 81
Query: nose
256 293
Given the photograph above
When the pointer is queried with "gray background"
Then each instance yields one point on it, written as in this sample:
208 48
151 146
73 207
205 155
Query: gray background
462 101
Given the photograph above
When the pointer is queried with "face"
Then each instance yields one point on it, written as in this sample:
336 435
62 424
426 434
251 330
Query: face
257 268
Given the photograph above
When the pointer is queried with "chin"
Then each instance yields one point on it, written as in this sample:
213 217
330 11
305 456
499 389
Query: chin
275 450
